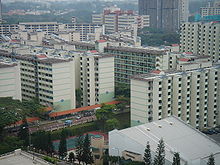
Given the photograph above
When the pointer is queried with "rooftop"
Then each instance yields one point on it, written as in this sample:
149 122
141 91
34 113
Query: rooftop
5 65
138 50
29 57
177 135
21 158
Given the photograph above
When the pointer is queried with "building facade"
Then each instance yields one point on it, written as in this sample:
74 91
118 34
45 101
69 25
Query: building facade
51 27
51 80
10 81
201 38
190 94
131 61
96 78
116 19
211 9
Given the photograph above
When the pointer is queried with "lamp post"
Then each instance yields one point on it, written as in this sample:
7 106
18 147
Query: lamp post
114 148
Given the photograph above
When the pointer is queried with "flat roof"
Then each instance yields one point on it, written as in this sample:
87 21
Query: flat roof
154 74
36 23
137 50
33 57
5 65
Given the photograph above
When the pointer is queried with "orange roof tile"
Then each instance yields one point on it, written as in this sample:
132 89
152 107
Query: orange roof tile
100 41
156 71
184 59
175 45
61 113
30 119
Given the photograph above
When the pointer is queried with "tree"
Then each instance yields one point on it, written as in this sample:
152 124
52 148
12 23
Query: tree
72 158
79 149
112 124
211 160
160 154
104 113
49 147
147 155
122 90
62 146
176 159
87 154
78 97
24 132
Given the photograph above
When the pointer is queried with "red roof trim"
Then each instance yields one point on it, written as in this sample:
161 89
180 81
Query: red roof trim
56 114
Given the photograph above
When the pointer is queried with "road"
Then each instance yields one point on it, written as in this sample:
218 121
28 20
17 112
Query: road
58 124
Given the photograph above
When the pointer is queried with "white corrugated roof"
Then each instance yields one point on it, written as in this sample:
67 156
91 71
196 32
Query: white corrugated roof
178 137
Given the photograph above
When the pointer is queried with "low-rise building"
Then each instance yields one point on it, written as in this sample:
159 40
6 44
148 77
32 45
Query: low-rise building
193 146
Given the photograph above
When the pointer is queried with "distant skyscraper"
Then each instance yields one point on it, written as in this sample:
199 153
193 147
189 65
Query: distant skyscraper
165 14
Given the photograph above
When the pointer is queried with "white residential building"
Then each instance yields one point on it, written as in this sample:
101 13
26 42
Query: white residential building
201 38
210 9
97 78
51 80
10 81
52 27
116 20
190 93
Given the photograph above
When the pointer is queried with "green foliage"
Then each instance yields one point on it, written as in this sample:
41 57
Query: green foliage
112 124
147 155
49 159
79 149
211 160
122 90
103 114
176 159
75 130
13 110
160 154
24 133
87 154
72 158
49 146
78 97
9 144
40 140
157 37
62 147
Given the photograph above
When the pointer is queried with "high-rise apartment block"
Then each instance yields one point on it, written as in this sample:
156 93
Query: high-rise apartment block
96 78
131 61
201 38
10 80
165 14
116 19
52 80
190 92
